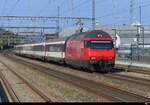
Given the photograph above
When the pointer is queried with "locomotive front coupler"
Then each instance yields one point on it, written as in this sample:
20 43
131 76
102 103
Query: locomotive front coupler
94 62
99 62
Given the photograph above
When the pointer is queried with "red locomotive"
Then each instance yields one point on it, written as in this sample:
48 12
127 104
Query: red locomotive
92 51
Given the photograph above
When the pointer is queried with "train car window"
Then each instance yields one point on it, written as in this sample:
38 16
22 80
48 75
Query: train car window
17 48
101 44
63 48
20 48
28 48
56 48
48 48
38 48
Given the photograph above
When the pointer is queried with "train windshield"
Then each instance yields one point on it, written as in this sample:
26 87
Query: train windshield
99 44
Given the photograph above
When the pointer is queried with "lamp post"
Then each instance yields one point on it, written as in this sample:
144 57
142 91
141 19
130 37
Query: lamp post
143 36
138 25
93 13
143 43
115 31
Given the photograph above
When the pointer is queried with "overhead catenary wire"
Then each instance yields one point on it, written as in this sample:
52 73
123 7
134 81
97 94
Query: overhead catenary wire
62 3
120 12
79 5
45 7
4 6
13 8
75 7
143 4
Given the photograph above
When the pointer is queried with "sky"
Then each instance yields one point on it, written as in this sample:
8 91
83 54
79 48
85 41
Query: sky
108 12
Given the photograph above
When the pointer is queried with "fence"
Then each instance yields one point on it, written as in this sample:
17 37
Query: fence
134 53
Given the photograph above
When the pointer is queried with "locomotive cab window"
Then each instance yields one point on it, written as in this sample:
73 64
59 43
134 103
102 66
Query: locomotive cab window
87 44
99 44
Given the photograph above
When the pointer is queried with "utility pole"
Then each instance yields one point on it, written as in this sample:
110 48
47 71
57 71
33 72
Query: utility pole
43 36
143 43
131 11
115 32
138 25
72 4
8 41
143 36
138 39
114 7
58 21
93 14
140 14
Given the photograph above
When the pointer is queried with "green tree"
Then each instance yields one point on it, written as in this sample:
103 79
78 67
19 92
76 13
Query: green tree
6 38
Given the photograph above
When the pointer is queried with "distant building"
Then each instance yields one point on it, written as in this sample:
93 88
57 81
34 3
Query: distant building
127 33
50 36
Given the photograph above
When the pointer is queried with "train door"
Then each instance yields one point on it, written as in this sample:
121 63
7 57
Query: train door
43 51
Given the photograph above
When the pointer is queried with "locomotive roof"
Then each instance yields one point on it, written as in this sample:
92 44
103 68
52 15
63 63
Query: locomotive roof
90 34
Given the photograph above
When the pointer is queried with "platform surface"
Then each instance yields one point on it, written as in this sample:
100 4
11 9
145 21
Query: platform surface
132 63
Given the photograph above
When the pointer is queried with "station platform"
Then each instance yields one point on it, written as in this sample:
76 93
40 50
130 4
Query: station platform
132 64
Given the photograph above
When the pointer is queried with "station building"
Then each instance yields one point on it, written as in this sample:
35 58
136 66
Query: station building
127 34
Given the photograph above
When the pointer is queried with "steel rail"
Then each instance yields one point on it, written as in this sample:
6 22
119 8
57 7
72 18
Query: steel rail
111 92
12 94
36 90
126 68
139 71
140 81
68 79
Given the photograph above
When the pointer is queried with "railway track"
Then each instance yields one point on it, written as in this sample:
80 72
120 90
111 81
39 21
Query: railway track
110 92
13 95
129 69
131 79
139 71
4 96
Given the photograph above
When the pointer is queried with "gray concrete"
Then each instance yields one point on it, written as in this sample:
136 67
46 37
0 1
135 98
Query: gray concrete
134 64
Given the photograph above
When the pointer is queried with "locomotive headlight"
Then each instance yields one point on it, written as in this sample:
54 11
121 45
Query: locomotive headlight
93 58
110 58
